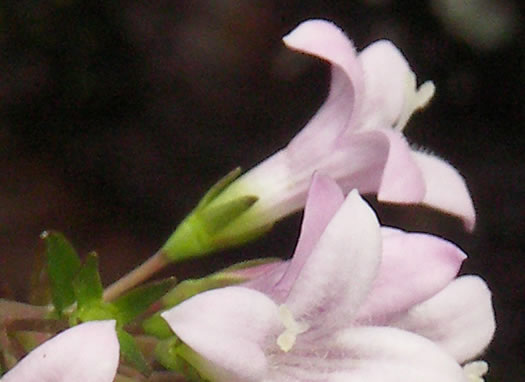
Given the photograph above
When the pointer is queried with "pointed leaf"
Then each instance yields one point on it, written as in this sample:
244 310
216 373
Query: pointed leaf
94 311
131 352
87 285
63 264
139 299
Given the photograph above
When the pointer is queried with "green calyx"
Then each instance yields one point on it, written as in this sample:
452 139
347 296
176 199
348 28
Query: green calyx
200 232
175 355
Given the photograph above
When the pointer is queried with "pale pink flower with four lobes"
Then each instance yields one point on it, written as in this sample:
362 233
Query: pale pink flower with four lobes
355 303
355 138
87 352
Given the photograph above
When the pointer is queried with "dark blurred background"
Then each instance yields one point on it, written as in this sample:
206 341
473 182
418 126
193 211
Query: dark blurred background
116 116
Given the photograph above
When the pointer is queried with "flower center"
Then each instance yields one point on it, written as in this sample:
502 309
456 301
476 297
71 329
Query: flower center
286 339
475 370
415 99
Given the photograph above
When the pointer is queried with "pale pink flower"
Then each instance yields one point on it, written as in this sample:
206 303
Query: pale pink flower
355 303
355 138
87 352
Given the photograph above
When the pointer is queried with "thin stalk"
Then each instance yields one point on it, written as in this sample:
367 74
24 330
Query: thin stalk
138 275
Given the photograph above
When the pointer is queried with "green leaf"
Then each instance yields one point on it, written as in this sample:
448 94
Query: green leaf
131 352
94 311
63 264
139 299
87 285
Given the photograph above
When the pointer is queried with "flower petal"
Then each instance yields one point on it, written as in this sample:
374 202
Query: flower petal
385 73
325 40
414 267
88 352
324 199
227 328
382 354
460 318
445 188
402 180
282 183
350 245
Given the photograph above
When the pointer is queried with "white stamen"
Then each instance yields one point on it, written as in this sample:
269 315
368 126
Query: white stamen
475 370
287 338
415 99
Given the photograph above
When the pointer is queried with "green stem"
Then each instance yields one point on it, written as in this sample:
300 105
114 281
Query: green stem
136 276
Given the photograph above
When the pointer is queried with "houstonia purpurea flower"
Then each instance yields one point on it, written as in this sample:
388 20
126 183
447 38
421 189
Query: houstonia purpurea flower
355 138
353 304
88 352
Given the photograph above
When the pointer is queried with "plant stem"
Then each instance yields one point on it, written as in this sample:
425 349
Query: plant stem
144 271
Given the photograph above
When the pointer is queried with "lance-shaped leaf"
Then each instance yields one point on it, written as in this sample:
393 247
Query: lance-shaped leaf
87 285
63 264
131 352
88 293
139 299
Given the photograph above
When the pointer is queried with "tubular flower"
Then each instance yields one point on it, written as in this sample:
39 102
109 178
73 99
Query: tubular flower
355 303
88 352
355 138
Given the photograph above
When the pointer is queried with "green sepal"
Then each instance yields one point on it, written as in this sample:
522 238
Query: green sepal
191 287
199 233
226 277
138 300
175 355
250 264
63 264
157 326
131 352
165 352
235 235
214 219
218 188
87 286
